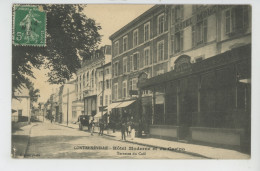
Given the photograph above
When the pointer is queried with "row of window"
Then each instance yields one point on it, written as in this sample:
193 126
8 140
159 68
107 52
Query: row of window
107 101
236 19
146 34
107 71
177 13
86 81
107 85
125 89
133 61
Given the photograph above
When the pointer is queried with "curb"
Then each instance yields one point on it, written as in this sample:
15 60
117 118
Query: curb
153 146
65 126
28 143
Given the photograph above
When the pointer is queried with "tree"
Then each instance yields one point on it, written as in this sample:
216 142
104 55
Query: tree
33 93
69 33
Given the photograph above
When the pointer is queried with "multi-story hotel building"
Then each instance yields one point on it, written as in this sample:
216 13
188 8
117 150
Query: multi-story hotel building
87 80
197 71
140 46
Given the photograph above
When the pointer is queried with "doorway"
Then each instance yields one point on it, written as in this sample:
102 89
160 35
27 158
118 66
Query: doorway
185 116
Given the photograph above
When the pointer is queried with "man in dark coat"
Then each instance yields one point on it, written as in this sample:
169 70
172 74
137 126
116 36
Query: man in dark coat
123 129
101 127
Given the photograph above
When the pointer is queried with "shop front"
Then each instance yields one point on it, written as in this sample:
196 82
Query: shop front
122 112
90 107
207 101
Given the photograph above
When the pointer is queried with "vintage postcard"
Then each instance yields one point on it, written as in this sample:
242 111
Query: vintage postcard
110 81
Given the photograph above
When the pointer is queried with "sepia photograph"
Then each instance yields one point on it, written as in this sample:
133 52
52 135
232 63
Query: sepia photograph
131 81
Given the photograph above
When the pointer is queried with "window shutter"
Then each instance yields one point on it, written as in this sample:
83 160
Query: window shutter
172 16
239 17
181 40
227 16
172 44
165 52
155 56
233 18
138 61
205 30
131 63
120 46
141 60
176 43
128 64
245 17
182 11
193 36
151 56
113 70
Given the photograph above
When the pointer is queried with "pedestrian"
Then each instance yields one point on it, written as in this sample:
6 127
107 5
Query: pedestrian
52 118
92 124
101 127
129 129
123 129
132 131
114 126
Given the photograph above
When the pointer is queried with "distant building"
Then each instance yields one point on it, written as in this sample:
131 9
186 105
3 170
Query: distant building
21 105
87 80
68 96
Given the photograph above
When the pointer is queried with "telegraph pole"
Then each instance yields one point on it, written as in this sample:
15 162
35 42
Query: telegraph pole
102 104
67 106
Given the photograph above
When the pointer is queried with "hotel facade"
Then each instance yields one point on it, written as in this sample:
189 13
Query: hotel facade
191 65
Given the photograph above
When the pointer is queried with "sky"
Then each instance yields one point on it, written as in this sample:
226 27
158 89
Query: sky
111 18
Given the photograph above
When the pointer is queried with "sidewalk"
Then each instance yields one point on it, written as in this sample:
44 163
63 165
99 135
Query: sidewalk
180 147
20 140
203 151
70 125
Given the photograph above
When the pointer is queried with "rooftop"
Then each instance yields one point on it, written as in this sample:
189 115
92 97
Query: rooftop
98 55
129 25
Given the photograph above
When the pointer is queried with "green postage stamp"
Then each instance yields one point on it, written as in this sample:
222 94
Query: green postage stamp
29 26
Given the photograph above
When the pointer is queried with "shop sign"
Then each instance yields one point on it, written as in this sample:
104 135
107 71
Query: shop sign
206 13
182 25
133 92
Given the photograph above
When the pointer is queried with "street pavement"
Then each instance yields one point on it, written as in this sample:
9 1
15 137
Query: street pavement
203 151
52 140
56 141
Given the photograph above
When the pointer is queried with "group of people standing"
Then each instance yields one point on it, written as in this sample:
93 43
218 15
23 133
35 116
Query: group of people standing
101 127
127 128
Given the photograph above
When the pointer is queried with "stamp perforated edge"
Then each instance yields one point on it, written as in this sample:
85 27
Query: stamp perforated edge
13 30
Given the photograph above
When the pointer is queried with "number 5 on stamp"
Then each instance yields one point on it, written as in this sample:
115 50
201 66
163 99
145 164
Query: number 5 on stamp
29 26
